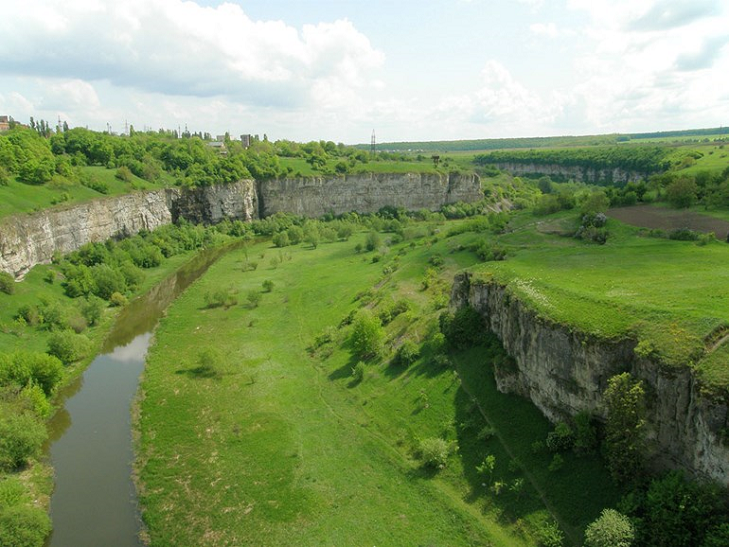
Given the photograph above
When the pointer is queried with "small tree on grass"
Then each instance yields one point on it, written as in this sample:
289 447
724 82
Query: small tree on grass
367 336
68 346
625 428
7 283
21 437
434 452
254 298
610 529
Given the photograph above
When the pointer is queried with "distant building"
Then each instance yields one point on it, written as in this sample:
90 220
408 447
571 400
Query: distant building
4 123
219 146
246 141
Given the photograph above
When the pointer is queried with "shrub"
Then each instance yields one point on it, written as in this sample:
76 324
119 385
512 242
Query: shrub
358 371
268 285
561 438
117 299
556 464
585 434
407 353
463 329
7 283
24 526
549 535
21 437
69 346
254 298
372 241
37 400
434 452
610 529
24 368
367 336
683 234
625 426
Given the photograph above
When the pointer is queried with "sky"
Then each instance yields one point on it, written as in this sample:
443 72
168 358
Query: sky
339 69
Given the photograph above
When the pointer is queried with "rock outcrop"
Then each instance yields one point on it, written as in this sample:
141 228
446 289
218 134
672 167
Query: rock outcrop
366 193
572 172
27 240
565 372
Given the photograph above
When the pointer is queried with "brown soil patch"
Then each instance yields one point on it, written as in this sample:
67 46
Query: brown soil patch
647 216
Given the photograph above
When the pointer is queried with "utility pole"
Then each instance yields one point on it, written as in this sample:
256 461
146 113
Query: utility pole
373 144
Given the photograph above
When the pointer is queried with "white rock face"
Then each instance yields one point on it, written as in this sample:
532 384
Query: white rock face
582 174
366 193
565 372
27 240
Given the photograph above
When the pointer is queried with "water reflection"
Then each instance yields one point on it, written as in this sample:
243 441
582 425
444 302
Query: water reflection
90 448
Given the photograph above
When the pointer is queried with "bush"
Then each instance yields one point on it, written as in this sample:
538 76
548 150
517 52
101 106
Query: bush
358 371
367 336
434 452
7 283
585 434
268 285
21 437
254 298
118 300
463 329
561 438
24 368
372 241
549 535
610 529
69 346
23 526
407 353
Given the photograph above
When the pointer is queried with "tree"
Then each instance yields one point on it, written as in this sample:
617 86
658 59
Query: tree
21 437
372 241
610 529
624 400
681 193
367 336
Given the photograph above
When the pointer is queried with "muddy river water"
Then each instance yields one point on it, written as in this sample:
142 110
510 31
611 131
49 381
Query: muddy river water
90 448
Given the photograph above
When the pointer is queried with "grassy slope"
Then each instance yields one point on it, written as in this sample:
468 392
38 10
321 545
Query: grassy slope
672 294
18 197
275 445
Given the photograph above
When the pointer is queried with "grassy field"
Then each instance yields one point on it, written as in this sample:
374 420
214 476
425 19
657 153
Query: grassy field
672 296
18 197
253 433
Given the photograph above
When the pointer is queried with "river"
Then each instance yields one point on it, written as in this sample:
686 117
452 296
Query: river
94 502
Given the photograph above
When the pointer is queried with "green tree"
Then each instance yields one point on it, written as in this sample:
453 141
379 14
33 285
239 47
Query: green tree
367 336
610 529
372 241
681 193
21 438
624 400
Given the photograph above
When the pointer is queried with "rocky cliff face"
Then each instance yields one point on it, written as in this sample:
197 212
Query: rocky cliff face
27 240
367 193
591 175
564 372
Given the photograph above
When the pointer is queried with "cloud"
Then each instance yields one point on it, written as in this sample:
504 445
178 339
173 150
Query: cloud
704 57
175 47
668 14
544 29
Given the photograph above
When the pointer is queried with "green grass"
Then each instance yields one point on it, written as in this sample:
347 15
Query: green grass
275 443
300 167
18 197
670 295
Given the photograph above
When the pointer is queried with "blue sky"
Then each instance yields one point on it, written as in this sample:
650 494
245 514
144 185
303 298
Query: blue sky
336 69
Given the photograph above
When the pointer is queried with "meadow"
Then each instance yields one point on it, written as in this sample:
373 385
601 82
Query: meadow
670 296
253 429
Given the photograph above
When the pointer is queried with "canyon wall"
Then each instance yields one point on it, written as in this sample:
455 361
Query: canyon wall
564 372
366 193
30 239
577 173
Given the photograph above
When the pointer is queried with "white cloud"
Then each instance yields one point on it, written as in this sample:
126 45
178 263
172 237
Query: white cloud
181 48
544 29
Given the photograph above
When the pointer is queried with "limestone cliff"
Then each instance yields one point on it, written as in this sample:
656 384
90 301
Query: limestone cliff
582 174
564 372
27 240
366 193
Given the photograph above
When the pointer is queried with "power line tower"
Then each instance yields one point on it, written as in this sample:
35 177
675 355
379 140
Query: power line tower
373 144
